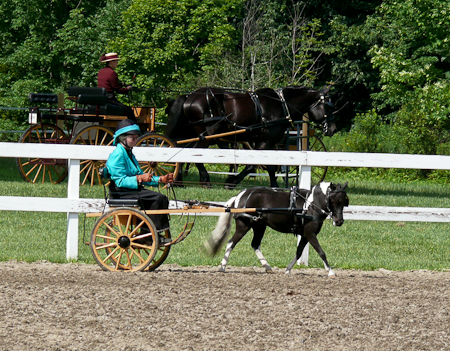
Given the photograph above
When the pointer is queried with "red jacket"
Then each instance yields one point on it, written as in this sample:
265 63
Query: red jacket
107 78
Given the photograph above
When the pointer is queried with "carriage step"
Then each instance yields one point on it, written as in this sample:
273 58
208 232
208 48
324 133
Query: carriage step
186 230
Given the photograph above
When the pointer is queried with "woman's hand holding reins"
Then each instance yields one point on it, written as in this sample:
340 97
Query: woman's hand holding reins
142 178
168 178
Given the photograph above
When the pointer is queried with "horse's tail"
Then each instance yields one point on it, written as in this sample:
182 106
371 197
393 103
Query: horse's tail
223 228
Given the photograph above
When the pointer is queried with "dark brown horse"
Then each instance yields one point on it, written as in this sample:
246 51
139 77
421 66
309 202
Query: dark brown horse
299 211
264 115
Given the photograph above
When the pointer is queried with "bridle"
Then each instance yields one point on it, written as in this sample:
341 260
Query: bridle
323 99
328 211
328 105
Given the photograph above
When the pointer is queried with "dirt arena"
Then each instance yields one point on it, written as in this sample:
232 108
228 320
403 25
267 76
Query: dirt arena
46 306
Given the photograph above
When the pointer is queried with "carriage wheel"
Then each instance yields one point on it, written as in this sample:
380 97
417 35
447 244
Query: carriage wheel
318 173
124 239
160 256
157 140
40 170
92 135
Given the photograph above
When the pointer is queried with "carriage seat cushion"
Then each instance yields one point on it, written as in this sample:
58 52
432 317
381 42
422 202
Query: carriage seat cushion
97 100
43 97
75 91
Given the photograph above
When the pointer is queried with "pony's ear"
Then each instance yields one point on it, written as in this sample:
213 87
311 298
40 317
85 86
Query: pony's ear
326 90
344 186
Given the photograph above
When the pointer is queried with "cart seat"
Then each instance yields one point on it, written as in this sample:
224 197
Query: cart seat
75 91
103 172
90 103
123 203
43 97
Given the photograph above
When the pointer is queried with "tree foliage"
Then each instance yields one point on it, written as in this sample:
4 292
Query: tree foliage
388 59
170 43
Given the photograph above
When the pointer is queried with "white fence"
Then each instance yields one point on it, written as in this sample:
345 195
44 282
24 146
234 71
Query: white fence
73 205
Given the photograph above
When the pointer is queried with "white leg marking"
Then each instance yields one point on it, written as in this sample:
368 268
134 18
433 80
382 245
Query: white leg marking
262 259
223 264
329 270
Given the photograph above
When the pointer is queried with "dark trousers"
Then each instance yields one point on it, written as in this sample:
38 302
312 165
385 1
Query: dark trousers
149 200
115 107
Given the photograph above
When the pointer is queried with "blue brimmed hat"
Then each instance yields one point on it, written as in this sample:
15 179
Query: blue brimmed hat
126 127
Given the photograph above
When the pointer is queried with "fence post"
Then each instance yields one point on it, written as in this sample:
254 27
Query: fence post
305 183
73 192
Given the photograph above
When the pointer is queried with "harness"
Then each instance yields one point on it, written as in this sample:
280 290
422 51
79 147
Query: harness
284 104
292 210
258 107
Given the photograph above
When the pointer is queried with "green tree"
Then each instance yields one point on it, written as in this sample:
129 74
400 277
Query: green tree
412 58
83 38
412 52
170 43
28 32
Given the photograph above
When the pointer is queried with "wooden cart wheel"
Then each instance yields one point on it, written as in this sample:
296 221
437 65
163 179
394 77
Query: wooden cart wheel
41 170
157 168
124 239
92 135
160 256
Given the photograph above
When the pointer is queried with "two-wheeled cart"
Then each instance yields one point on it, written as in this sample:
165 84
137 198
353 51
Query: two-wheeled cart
124 238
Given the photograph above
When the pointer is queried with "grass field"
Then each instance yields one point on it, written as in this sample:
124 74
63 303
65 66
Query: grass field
364 245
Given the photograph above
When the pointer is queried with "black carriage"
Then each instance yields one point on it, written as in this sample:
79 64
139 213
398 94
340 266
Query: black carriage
87 122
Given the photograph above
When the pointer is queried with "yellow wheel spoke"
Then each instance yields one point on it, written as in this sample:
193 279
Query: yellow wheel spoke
111 253
112 230
137 254
31 170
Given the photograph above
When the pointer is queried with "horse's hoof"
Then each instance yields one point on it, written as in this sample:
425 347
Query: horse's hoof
287 271
222 269
331 275
269 271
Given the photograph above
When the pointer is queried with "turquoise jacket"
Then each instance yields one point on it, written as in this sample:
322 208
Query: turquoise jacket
123 169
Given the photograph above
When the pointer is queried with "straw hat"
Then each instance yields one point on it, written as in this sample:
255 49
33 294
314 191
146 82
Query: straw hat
111 56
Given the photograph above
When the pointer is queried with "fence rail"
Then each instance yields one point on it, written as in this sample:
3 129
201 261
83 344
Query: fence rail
73 205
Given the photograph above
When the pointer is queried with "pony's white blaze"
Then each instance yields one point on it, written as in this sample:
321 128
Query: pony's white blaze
324 187
309 200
